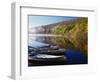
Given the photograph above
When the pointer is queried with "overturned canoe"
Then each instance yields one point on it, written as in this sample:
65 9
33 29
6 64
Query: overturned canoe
44 59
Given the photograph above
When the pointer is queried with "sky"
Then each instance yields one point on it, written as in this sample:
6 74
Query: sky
38 20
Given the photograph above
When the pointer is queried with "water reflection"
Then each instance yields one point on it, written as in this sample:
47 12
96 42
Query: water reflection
61 41
72 51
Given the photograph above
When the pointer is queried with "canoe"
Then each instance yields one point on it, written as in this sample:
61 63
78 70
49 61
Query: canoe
45 59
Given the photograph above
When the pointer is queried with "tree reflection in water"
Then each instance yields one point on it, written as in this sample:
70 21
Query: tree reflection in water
74 51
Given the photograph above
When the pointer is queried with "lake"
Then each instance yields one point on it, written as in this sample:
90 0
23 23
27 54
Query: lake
47 49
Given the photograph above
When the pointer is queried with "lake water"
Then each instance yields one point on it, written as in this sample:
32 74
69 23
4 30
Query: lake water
76 51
